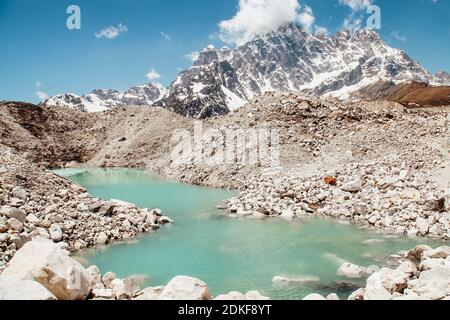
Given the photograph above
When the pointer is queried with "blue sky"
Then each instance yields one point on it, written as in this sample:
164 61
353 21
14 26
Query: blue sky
39 54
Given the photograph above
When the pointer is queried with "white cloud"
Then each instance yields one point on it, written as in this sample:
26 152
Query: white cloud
192 56
38 85
42 95
257 17
111 32
356 5
166 36
307 19
396 35
354 21
152 75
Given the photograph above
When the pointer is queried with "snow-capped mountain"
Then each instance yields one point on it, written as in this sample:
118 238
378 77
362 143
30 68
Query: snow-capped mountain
104 99
221 80
289 59
442 78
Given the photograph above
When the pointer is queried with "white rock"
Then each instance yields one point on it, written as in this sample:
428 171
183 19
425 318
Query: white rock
14 224
103 294
255 295
433 284
56 232
150 294
185 288
314 296
431 263
31 218
47 263
357 295
333 297
12 288
350 270
13 213
422 226
101 239
438 253
108 278
233 295
353 186
408 268
96 277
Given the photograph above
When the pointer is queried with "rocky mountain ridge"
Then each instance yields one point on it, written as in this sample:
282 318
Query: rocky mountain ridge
288 59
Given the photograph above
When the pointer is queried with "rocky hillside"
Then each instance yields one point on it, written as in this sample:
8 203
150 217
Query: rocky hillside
37 203
411 95
222 80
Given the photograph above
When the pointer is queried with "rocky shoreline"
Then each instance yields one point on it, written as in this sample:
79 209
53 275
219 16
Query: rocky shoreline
43 270
377 164
37 203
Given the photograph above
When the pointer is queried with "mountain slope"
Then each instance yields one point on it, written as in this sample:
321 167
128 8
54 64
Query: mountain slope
287 59
290 59
104 99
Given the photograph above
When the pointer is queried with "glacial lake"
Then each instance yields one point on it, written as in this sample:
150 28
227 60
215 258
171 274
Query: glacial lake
230 254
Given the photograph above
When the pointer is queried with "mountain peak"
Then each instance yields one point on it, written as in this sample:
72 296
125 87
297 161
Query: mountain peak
286 59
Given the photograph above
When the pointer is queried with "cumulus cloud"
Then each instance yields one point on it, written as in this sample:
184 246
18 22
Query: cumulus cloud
152 75
257 17
111 32
42 95
192 56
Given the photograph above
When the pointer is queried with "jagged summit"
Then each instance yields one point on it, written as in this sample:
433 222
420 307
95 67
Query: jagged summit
221 80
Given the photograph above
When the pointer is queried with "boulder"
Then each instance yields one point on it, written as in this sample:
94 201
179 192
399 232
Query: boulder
19 193
433 284
438 253
352 271
333 297
108 278
106 294
353 186
18 214
185 288
13 288
14 225
233 295
314 296
358 294
408 268
96 277
150 294
3 227
47 263
255 295
56 232
422 226
428 264
31 218
415 255
101 239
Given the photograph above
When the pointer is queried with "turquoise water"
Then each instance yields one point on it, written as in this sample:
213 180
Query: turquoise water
226 253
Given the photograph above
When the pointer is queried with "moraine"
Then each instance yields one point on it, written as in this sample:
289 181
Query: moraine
232 254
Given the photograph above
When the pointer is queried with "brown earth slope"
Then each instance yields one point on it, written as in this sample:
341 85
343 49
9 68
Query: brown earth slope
413 94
